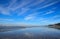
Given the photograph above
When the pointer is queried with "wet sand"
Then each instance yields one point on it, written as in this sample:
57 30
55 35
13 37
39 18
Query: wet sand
31 33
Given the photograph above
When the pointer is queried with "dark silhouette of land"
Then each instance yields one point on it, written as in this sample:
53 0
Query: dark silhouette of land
57 26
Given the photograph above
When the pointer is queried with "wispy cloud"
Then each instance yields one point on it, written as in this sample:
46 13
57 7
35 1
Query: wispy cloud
23 11
45 4
36 3
43 19
49 12
56 16
49 20
42 5
5 19
24 2
11 3
49 4
31 16
4 11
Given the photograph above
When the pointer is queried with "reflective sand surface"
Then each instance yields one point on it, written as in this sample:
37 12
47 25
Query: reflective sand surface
31 33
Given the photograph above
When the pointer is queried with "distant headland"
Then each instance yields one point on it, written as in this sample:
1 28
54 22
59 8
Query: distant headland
57 25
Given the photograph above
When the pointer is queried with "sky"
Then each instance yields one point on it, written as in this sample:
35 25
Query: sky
29 12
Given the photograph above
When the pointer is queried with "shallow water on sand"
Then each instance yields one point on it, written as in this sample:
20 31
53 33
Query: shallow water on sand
31 33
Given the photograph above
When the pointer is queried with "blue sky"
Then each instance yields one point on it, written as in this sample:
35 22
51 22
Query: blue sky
29 12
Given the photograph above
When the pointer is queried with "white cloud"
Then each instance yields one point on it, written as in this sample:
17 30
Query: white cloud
5 19
39 1
56 16
4 11
36 3
49 12
24 2
49 20
49 4
31 16
23 11
46 4
43 19
11 3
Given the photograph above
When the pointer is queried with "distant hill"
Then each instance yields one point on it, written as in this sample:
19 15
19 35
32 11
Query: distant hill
58 24
55 25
